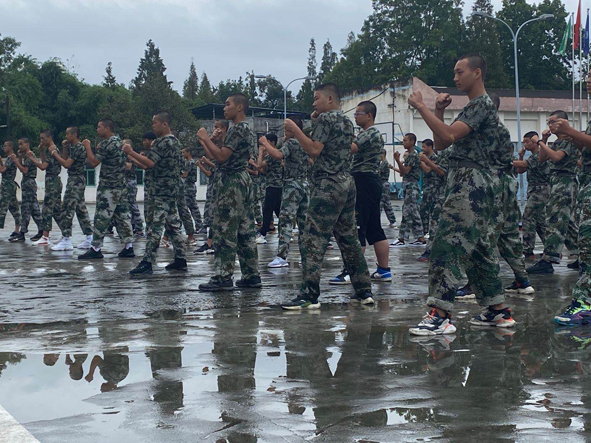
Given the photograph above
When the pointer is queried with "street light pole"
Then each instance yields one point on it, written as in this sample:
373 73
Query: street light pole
269 77
515 36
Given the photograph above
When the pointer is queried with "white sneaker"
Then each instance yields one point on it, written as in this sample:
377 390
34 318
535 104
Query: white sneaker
43 241
295 231
65 244
86 243
393 224
397 244
261 240
278 262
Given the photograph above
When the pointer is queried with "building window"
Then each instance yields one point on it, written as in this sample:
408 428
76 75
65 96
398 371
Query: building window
90 177
139 176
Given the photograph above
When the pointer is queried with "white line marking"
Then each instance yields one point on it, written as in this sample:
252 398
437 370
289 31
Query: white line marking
12 431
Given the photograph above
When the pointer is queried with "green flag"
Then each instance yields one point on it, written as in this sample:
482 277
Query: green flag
567 34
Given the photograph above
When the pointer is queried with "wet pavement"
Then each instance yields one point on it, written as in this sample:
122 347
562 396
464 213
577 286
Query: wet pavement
88 354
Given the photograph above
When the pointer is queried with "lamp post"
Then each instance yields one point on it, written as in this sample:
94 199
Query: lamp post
269 77
515 36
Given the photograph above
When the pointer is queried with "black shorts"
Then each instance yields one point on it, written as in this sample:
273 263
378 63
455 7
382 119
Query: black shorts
367 208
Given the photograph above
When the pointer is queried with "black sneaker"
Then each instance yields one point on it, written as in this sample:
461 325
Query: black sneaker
18 238
143 267
216 286
251 282
127 253
465 293
13 235
37 236
341 279
522 288
365 298
541 267
91 254
203 249
529 255
110 232
202 231
179 264
424 257
491 317
301 303
573 265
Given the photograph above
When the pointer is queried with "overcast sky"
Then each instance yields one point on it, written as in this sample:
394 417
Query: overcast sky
225 38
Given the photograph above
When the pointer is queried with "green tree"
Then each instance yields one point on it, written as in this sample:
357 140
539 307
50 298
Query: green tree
329 60
205 90
305 97
151 67
191 86
109 80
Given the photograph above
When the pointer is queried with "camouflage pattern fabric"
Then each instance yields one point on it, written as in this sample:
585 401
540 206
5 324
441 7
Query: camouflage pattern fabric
582 289
74 203
371 144
209 201
111 204
52 202
411 158
296 160
294 206
534 216
110 153
136 219
30 204
335 131
77 152
411 217
274 174
442 163
8 201
192 205
433 185
165 220
241 140
183 210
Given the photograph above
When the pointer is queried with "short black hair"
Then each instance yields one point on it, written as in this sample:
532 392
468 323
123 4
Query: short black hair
10 143
530 134
330 88
25 140
225 123
384 152
164 117
240 99
74 130
476 61
369 107
149 136
559 114
495 99
47 133
272 138
411 136
428 142
297 121
108 123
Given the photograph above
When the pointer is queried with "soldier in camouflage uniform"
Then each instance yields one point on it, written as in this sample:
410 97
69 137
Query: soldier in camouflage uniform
8 201
561 228
464 235
233 220
432 185
184 213
147 140
272 171
30 204
166 159
294 198
111 194
384 173
410 169
332 201
538 193
74 202
131 180
52 201
190 176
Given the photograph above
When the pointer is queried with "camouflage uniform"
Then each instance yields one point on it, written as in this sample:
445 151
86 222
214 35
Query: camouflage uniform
332 207
443 164
294 199
506 213
432 193
183 210
464 234
209 198
538 194
8 201
411 216
191 193
561 228
52 202
233 219
167 157
148 197
74 200
111 193
30 204
131 180
258 189
386 205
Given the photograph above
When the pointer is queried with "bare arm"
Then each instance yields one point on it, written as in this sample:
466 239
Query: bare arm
312 148
18 164
546 153
206 171
271 150
65 162
354 148
402 170
142 159
90 158
221 155
42 165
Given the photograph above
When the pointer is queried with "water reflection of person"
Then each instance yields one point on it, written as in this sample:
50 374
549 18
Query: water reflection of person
113 367
75 366
50 359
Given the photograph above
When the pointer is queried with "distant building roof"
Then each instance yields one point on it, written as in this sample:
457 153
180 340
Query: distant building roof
215 110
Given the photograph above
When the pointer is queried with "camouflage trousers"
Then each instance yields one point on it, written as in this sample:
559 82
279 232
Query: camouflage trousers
192 206
257 206
209 201
534 216
506 216
165 219
294 206
148 207
332 212
233 226
561 228
582 289
428 202
30 205
74 203
52 202
184 212
463 240
136 219
386 204
434 219
8 202
411 216
111 203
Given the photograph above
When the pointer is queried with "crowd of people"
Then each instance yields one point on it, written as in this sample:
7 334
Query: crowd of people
331 183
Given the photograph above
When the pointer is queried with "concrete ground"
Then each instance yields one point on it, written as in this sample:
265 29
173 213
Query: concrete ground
88 354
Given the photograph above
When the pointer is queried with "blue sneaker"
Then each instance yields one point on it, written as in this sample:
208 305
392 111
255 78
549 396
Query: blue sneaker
578 313
365 299
341 279
382 274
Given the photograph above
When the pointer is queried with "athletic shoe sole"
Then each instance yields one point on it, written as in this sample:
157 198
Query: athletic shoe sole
382 279
449 329
311 306
466 297
362 301
501 324
521 291
339 283
286 265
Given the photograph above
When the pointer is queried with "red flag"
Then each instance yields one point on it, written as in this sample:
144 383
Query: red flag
577 31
